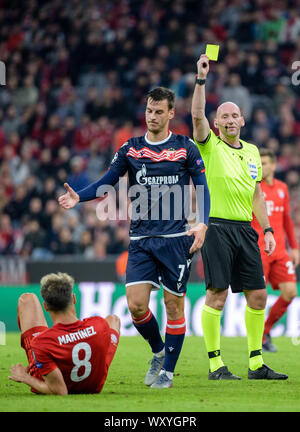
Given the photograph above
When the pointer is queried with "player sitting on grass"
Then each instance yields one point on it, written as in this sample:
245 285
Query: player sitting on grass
73 356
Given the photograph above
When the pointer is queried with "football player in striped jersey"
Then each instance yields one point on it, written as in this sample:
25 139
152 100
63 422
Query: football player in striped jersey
160 166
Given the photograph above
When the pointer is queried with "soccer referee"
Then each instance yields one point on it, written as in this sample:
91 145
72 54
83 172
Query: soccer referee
230 253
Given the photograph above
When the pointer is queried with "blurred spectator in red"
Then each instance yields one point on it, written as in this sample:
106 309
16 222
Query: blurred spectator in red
123 134
61 69
85 134
6 179
218 29
104 134
38 120
66 89
7 237
121 264
15 38
52 137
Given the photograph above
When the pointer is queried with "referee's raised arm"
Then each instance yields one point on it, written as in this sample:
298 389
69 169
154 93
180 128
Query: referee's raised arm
200 123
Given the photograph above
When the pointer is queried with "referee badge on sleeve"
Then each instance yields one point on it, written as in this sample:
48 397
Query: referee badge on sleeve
253 170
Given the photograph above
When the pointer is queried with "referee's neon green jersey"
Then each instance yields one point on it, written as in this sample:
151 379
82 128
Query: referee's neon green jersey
232 174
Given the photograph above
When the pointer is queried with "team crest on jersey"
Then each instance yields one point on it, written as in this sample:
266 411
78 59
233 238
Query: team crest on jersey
281 193
113 339
170 154
253 170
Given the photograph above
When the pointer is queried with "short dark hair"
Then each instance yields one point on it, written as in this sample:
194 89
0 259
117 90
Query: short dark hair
267 152
57 290
162 93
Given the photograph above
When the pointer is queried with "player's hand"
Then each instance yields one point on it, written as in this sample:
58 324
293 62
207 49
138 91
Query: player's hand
270 243
294 254
69 199
203 66
198 232
18 373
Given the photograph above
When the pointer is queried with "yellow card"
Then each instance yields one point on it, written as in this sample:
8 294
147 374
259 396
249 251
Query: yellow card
212 52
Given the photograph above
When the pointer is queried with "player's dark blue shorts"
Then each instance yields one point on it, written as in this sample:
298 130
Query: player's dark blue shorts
159 261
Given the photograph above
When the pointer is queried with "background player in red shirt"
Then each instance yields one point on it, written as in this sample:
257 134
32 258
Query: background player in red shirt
279 268
73 356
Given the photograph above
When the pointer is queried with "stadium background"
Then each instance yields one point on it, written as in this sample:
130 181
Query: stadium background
76 76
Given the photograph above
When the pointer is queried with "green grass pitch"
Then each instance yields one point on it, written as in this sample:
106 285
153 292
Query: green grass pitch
124 390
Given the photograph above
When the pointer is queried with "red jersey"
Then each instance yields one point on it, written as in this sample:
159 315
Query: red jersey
278 207
79 350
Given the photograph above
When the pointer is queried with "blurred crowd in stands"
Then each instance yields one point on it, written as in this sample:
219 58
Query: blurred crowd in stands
77 72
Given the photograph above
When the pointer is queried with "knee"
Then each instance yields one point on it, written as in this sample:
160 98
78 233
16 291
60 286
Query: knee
258 300
27 298
174 309
289 295
292 295
114 322
216 298
218 303
137 308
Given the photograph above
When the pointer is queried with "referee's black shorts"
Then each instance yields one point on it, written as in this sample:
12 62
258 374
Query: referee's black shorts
231 256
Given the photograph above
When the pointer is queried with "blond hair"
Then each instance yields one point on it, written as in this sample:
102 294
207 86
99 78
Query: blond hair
57 290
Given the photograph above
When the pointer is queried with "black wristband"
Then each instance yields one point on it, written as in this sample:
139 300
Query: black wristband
270 229
199 81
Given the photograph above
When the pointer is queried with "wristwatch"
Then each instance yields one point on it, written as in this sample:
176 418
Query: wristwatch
270 229
199 81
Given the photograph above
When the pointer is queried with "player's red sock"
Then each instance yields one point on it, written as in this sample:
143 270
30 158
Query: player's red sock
276 312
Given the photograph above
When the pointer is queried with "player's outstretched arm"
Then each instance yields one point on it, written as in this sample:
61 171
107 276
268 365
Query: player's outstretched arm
260 211
200 123
69 199
53 382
